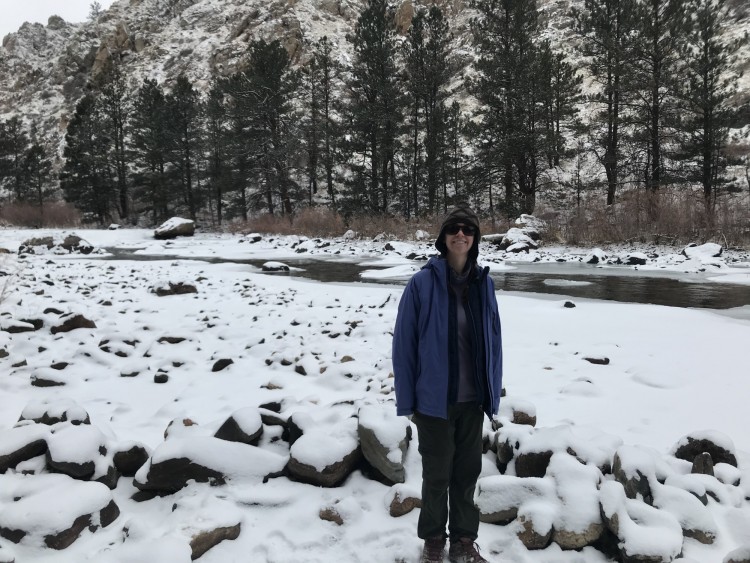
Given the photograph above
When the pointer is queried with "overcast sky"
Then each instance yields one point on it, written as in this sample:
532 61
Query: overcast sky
14 12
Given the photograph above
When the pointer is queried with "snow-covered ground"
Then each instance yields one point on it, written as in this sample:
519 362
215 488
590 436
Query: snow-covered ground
670 372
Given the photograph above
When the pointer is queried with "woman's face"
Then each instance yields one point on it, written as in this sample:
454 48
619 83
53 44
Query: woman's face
458 241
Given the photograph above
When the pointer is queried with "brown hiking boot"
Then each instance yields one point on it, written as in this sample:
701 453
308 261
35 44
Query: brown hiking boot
434 550
464 550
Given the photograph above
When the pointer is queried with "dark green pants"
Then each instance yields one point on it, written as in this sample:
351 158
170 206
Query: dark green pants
451 462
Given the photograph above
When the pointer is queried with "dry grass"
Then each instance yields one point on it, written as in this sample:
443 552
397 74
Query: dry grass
676 217
53 215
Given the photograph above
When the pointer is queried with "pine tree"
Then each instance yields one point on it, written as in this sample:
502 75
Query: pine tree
707 89
86 178
659 28
149 128
37 167
428 74
217 137
328 71
184 114
14 143
508 86
605 28
375 108
115 105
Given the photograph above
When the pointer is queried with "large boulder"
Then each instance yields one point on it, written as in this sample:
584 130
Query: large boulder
175 227
325 454
53 411
22 443
645 534
499 497
384 438
53 509
719 446
579 522
694 518
205 459
81 452
634 468
70 244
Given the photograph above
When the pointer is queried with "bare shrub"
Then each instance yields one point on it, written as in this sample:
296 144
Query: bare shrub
56 215
669 217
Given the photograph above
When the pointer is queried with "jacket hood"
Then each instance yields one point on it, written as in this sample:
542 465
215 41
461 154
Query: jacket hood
460 214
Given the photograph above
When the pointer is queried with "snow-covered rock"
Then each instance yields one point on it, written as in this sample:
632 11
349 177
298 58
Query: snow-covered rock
645 534
175 227
52 411
384 438
22 443
205 459
499 497
325 454
717 444
703 252
244 426
579 522
53 509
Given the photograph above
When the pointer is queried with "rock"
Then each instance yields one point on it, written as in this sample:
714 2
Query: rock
129 458
33 245
597 360
79 452
76 245
175 227
201 542
536 525
275 267
53 509
175 288
244 426
161 377
73 322
18 326
384 439
205 459
717 445
403 501
54 411
703 464
222 364
330 514
72 244
499 497
635 524
515 240
325 455
636 259
22 443
569 305
596 256
695 519
47 377
532 464
633 468
708 250
523 413
579 521
739 555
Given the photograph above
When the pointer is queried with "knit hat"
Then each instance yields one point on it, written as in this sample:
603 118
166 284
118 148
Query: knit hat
462 213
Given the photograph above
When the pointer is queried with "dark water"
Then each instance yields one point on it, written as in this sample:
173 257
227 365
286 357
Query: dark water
572 280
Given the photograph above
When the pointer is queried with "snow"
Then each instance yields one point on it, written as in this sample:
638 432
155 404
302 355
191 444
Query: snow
666 379
47 504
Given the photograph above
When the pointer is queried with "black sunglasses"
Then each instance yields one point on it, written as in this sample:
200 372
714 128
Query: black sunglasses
468 230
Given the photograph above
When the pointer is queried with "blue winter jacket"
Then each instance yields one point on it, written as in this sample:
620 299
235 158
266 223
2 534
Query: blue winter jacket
420 343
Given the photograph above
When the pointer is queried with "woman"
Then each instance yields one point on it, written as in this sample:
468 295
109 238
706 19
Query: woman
447 362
